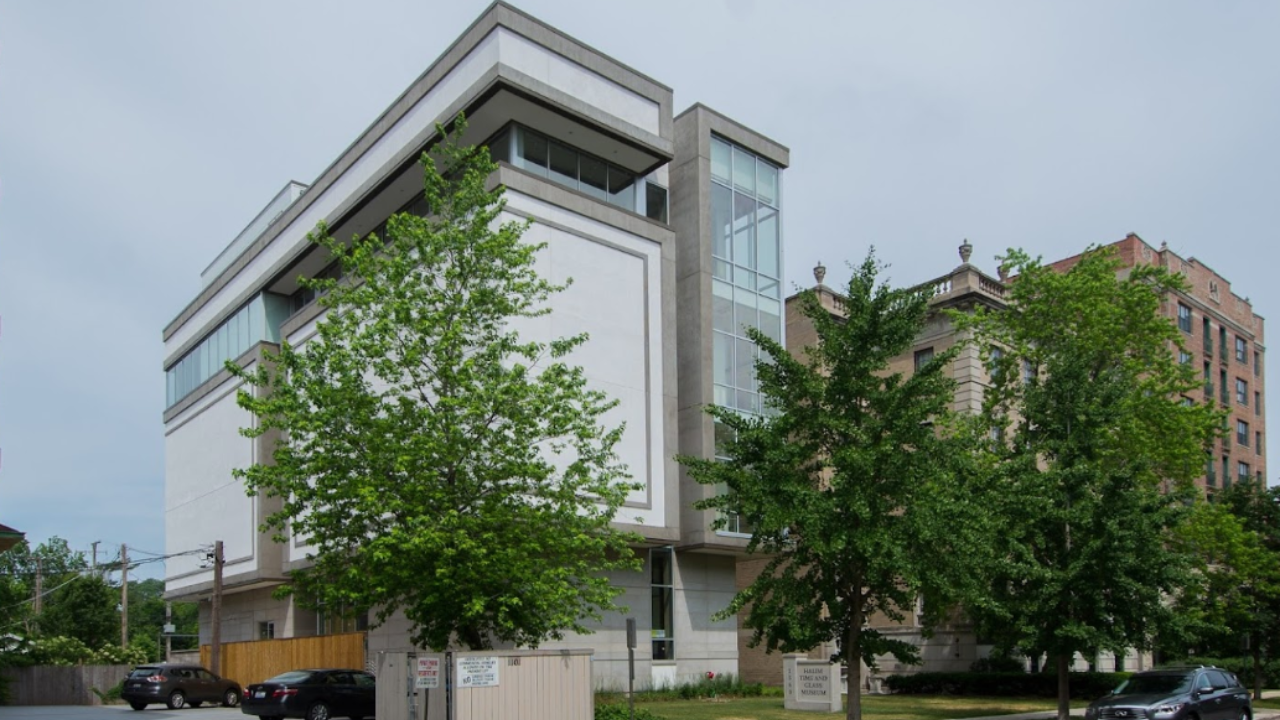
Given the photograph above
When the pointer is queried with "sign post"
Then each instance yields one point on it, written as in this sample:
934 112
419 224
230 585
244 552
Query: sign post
631 666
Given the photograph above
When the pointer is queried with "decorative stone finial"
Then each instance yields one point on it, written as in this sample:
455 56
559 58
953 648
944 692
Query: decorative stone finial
1003 271
966 250
819 272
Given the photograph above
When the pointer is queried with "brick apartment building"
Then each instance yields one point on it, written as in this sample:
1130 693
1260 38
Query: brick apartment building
1222 333
1223 336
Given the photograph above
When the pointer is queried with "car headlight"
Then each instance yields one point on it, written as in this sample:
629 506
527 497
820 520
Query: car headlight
1169 709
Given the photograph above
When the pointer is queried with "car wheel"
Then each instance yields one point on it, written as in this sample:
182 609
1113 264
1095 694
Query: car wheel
177 700
138 705
319 711
231 698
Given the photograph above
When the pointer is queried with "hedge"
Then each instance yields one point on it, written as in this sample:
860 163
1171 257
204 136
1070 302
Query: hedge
1243 668
1084 685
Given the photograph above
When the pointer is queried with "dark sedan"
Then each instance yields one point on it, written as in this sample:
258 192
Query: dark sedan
312 694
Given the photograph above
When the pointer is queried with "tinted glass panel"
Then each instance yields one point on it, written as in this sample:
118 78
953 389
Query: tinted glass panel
655 202
767 228
721 221
720 160
533 153
744 230
593 176
767 183
722 306
564 166
622 188
744 171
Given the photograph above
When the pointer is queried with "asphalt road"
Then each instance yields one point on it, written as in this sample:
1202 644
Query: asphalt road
120 712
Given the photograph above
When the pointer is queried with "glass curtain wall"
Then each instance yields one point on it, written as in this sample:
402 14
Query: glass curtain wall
746 286
746 251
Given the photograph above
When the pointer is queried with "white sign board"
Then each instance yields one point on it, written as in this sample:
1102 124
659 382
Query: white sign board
428 676
477 671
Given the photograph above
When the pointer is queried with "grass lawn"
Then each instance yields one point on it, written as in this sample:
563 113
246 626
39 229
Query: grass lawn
876 707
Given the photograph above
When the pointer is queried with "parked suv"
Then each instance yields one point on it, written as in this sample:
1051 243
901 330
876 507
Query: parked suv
1200 693
177 686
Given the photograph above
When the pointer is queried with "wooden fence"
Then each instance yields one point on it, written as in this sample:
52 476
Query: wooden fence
56 685
257 660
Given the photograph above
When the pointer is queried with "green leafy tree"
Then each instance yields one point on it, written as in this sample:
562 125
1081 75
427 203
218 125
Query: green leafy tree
147 618
851 481
439 463
1245 563
1094 448
53 561
83 608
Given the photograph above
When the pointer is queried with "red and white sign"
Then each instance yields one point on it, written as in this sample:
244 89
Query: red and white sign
428 676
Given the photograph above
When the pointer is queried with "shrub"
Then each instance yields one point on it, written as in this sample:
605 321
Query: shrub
723 685
111 694
1084 686
1243 668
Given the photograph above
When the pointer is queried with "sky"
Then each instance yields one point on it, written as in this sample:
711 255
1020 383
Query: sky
138 138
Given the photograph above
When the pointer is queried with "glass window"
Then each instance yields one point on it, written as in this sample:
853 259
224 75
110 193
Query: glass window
1257 403
1244 472
622 188
745 366
723 365
655 202
1242 392
662 586
745 279
767 230
564 165
720 160
1257 363
767 287
1184 318
722 306
722 270
593 175
923 357
744 227
744 171
1184 357
532 150
767 183
744 310
721 221
1242 433
771 318
500 146
1242 350
1028 370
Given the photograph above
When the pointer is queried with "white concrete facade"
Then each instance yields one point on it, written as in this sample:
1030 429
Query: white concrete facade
506 71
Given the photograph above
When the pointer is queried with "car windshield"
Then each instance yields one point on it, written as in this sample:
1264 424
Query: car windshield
142 672
293 676
1154 685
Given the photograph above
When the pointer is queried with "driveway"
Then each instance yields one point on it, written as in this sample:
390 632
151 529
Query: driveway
118 712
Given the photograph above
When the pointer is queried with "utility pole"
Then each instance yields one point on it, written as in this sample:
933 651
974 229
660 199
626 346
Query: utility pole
39 585
168 634
215 649
124 596
95 557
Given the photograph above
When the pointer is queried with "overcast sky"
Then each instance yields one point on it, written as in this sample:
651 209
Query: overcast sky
137 138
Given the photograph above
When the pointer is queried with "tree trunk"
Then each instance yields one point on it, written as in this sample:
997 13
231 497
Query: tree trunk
853 659
1064 687
1255 646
